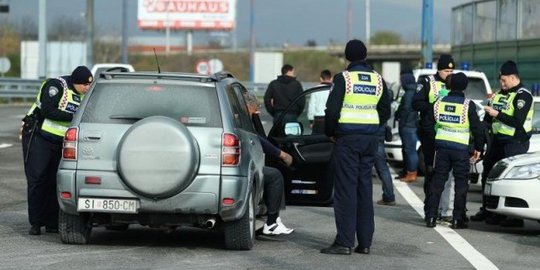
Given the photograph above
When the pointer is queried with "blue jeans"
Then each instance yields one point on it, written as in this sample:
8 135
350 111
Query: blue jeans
384 173
408 140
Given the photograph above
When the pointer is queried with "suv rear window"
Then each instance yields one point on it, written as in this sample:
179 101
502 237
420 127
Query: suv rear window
476 89
128 102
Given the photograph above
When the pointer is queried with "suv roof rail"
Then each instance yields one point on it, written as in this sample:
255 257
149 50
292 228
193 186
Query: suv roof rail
169 75
222 75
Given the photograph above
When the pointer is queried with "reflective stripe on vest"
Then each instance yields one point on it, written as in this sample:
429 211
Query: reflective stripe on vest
452 121
69 102
363 90
437 89
505 104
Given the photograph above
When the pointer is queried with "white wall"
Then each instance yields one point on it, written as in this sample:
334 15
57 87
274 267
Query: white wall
62 58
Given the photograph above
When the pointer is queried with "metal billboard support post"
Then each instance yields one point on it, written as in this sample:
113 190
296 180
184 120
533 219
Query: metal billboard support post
42 37
427 32
252 43
90 33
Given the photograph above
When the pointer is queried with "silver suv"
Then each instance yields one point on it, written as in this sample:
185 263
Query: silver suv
161 150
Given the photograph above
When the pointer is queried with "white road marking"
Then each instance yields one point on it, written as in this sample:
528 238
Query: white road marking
5 145
477 259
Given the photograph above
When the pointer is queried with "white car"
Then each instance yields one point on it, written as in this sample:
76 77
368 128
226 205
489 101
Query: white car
478 90
513 186
100 67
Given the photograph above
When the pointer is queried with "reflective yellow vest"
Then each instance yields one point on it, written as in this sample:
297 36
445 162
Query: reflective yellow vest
504 103
437 89
452 122
69 102
363 90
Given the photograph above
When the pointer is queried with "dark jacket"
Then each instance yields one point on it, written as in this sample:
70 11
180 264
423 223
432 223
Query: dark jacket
517 120
335 101
280 93
421 104
51 94
405 113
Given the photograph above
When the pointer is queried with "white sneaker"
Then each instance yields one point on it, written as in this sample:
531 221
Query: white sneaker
276 229
278 221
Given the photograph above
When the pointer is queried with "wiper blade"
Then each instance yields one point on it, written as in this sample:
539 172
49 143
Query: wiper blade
125 117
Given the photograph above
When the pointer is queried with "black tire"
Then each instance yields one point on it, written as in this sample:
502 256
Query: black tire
240 234
74 229
117 227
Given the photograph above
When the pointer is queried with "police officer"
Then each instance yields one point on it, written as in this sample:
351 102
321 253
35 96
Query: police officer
429 90
42 136
456 120
358 104
510 117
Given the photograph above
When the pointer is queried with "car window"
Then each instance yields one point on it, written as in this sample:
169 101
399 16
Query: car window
536 118
127 102
239 107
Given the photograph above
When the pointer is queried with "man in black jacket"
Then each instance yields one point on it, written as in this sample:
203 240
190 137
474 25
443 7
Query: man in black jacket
280 93
510 117
357 106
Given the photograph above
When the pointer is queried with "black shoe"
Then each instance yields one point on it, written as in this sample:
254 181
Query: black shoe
336 248
459 224
361 250
431 222
35 230
51 230
480 215
515 223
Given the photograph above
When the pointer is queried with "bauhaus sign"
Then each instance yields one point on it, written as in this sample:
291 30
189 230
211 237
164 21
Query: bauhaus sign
187 14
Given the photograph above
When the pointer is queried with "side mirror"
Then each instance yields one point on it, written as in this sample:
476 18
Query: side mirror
293 128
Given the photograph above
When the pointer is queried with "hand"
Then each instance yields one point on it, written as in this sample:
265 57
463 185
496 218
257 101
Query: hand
333 139
492 112
286 158
475 156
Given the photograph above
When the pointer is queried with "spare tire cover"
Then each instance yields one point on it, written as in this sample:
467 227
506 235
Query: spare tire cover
158 157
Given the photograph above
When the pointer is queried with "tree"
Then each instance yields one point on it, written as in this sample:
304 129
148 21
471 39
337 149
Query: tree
68 29
385 37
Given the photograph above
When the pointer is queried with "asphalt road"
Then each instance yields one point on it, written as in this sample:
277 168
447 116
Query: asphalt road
401 240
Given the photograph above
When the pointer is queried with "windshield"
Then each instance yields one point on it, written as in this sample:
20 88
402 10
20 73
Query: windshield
476 89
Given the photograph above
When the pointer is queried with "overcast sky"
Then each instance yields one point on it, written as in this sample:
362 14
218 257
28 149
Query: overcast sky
276 21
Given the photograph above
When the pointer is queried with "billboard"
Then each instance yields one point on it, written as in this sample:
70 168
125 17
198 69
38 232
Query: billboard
187 14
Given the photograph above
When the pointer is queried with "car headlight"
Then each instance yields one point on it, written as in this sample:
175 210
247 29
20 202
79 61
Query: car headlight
524 172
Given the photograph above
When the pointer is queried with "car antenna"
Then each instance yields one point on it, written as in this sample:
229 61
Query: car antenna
157 62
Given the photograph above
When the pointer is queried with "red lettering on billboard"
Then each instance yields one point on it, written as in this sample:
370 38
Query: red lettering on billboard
187 6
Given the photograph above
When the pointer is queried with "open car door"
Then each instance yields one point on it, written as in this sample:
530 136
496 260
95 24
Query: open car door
307 180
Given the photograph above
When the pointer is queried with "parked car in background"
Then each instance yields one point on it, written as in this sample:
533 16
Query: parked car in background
161 150
119 67
478 90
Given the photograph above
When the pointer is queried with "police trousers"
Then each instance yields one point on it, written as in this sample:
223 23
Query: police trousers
445 161
40 169
352 161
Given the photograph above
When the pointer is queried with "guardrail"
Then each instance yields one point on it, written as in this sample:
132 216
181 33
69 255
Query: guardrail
25 90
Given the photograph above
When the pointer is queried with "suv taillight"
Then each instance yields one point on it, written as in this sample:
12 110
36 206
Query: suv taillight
69 151
231 150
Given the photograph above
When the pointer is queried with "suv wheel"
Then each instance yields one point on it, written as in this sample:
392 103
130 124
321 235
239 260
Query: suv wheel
74 229
240 234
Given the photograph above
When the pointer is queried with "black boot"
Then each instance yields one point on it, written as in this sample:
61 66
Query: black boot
35 230
480 215
431 222
459 224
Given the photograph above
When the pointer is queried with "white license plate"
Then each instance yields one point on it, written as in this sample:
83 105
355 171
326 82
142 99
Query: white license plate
107 205
487 190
